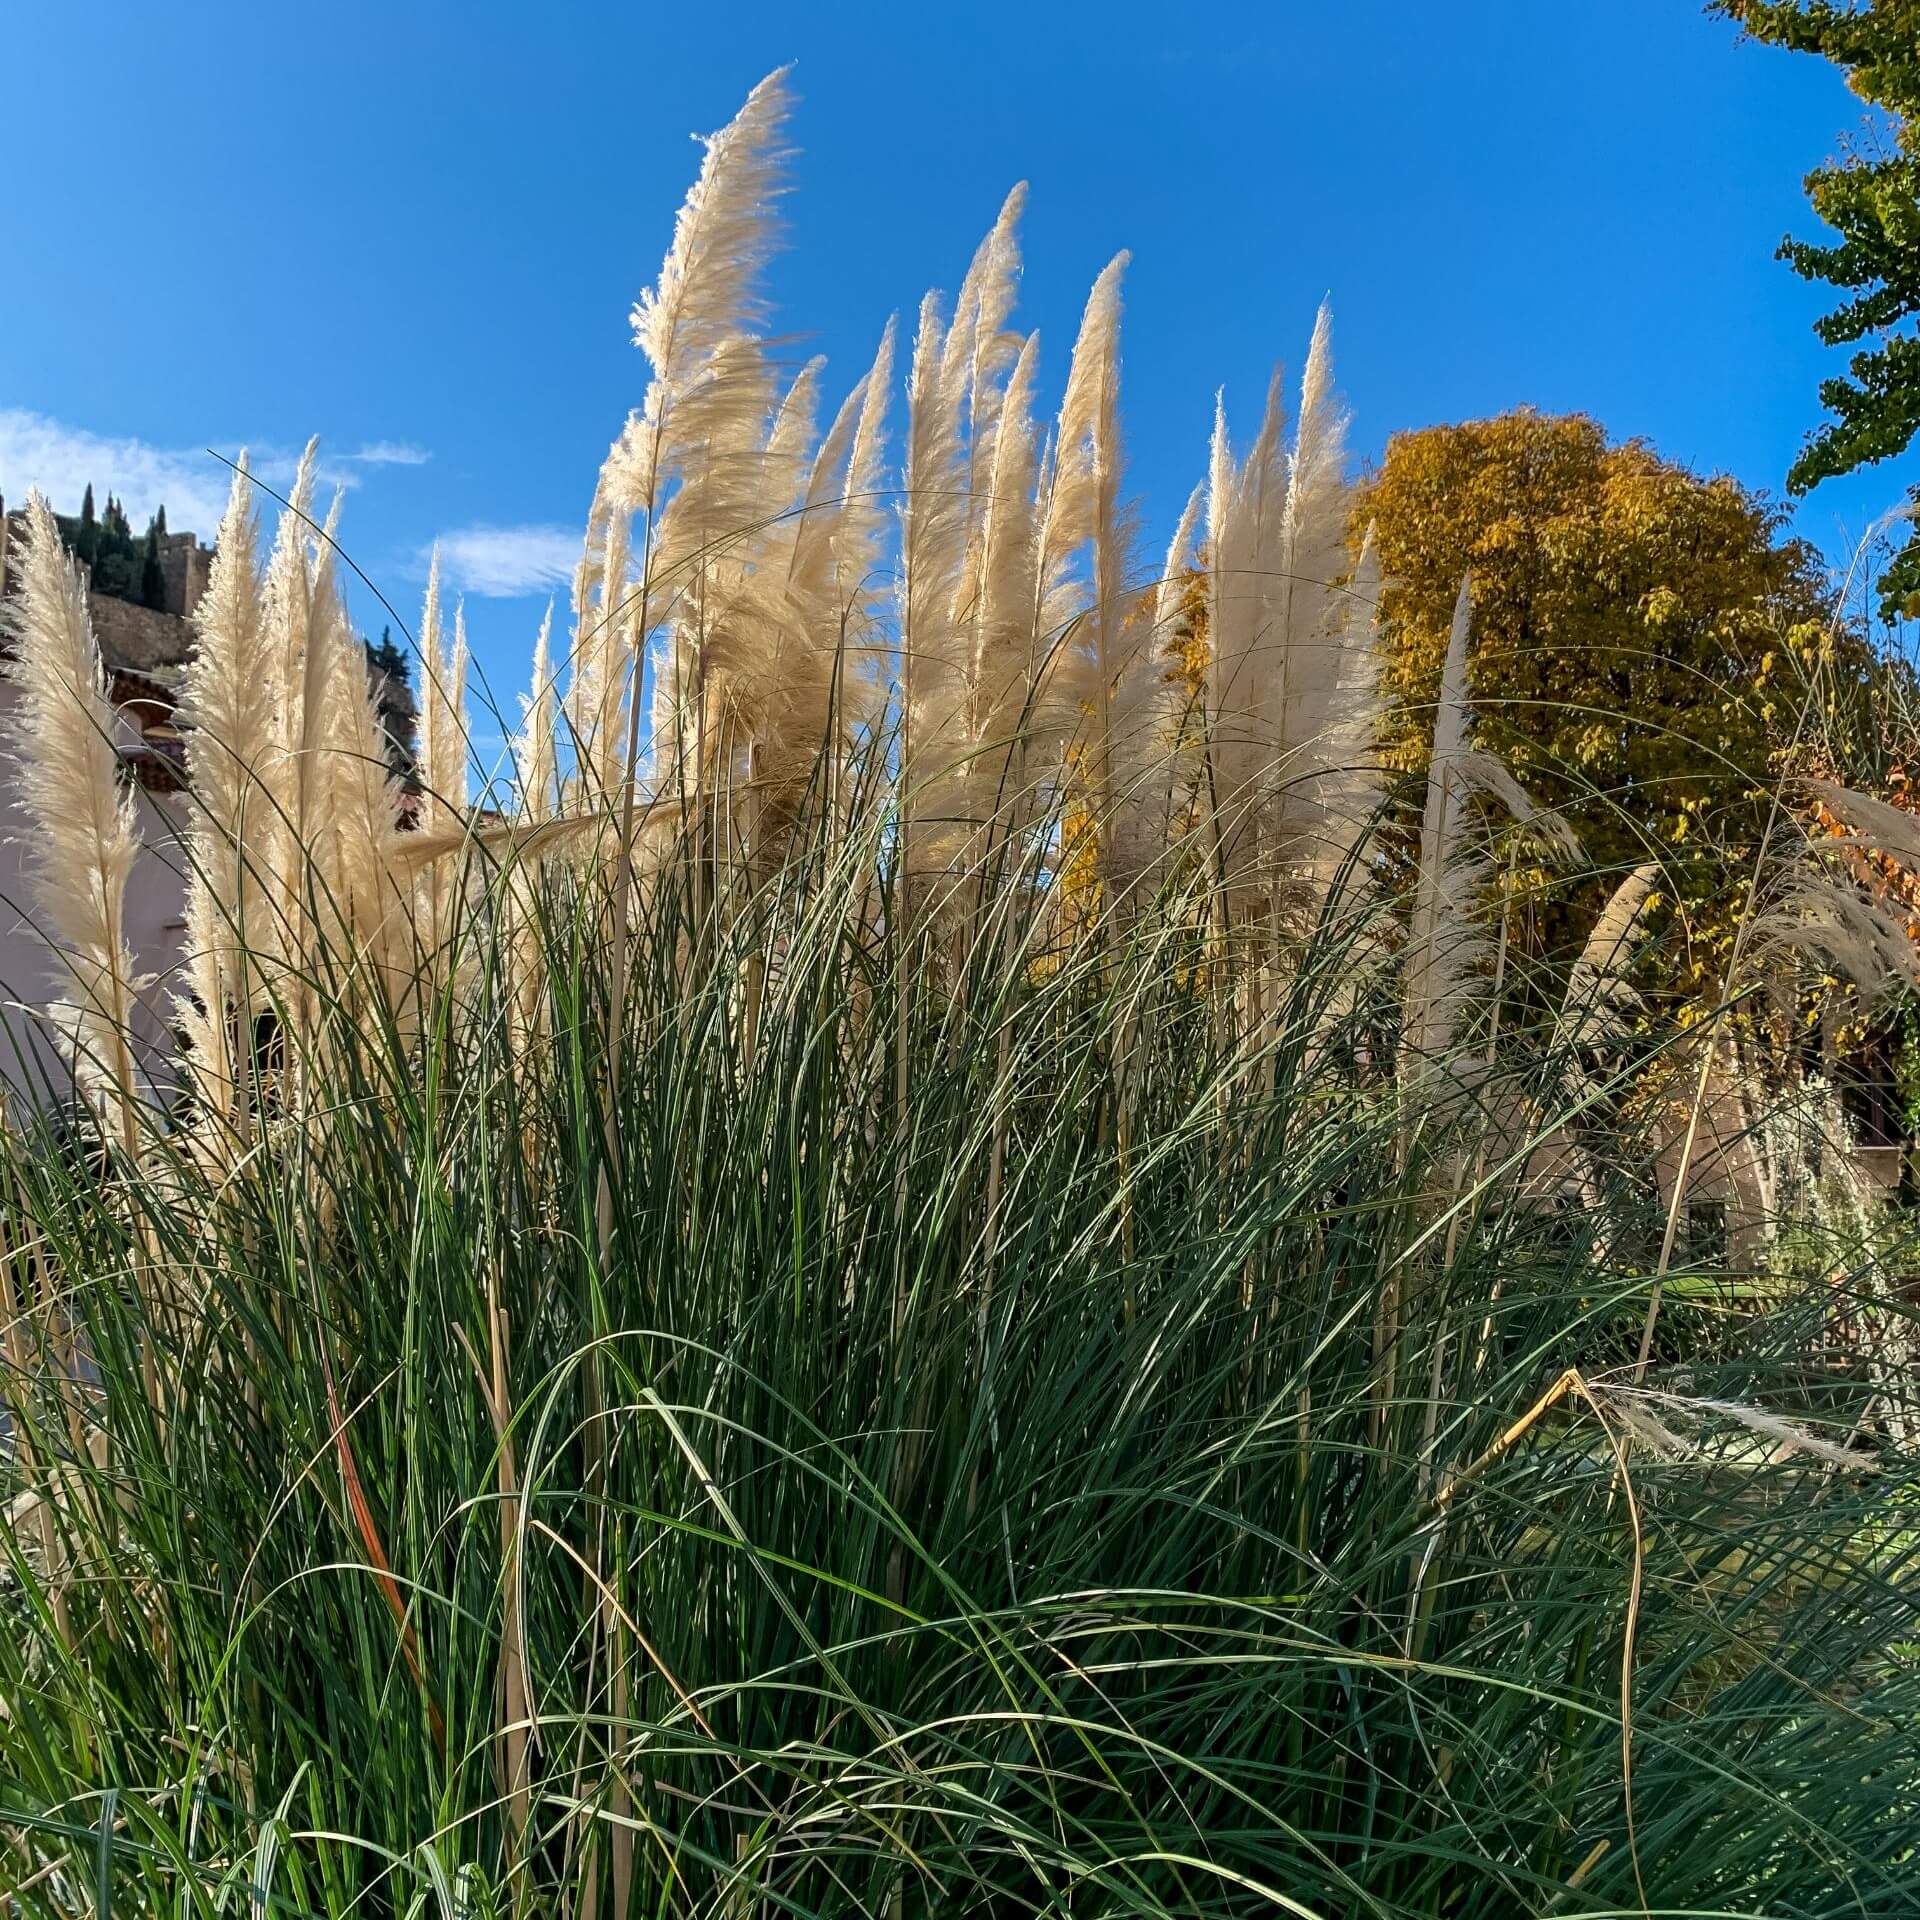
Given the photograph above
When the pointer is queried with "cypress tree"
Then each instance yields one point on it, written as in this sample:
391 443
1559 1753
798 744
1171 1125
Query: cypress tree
153 584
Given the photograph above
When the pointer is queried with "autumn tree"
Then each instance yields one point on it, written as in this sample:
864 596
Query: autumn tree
1649 655
1870 198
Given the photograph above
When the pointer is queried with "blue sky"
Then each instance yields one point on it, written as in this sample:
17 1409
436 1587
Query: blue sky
416 229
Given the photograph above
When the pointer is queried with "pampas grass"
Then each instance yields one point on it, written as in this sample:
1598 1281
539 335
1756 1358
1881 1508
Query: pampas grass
85 835
814 1321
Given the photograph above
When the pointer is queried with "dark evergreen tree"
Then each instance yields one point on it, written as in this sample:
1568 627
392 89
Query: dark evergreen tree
86 541
387 658
393 695
116 558
153 583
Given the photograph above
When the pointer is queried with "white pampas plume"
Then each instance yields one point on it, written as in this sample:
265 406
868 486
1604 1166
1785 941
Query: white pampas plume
790 618
689 458
450 747
602 622
289 594
1876 825
742 590
604 666
1826 917
1171 586
975 359
363 799
328 636
955 402
1312 692
859 534
1599 1003
227 714
289 586
1245 504
432 696
275 847
1351 779
933 540
1292 688
792 433
979 349
1148 710
86 832
536 804
1446 940
1825 910
442 767
706 296
443 713
538 768
809 586
706 532
758 636
1086 504
1002 660
1788 1436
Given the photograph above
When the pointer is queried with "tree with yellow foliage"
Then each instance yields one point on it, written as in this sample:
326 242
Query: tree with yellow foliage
1649 655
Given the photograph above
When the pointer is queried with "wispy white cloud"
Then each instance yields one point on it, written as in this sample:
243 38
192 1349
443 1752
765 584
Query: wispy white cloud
64 460
498 563
390 453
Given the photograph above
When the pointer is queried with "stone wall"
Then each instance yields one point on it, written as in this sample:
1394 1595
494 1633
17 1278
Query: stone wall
139 637
184 565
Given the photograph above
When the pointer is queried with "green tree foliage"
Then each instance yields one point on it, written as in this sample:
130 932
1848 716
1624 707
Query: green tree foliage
116 555
1648 654
387 658
119 565
1870 197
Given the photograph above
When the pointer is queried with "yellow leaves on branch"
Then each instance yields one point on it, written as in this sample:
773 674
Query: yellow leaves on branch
1645 645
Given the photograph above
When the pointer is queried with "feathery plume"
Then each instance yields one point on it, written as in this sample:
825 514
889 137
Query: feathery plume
1147 714
1445 941
1002 658
1599 1001
933 542
1085 505
707 295
433 696
1351 779
1245 503
86 830
858 535
538 769
1311 722
227 713
442 767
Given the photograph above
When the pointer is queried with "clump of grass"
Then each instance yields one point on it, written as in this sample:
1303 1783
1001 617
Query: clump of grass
913 1299
904 1505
